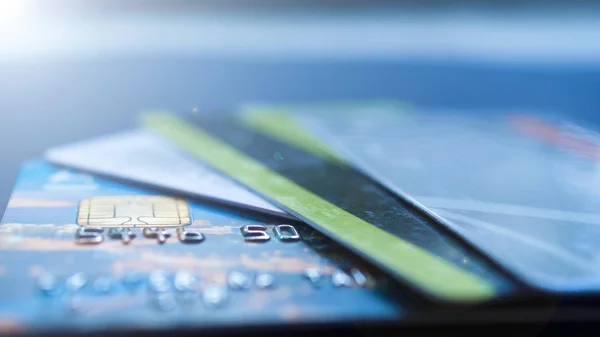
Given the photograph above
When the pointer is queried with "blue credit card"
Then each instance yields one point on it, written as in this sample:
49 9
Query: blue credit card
84 253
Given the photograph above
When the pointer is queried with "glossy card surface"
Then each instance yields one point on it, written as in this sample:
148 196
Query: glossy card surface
521 186
87 254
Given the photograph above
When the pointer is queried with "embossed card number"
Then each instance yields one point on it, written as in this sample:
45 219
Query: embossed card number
259 233
95 235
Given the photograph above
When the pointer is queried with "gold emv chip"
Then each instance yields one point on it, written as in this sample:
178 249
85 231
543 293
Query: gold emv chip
133 211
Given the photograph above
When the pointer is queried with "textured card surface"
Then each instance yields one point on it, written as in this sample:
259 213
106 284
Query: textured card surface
522 187
83 253
142 157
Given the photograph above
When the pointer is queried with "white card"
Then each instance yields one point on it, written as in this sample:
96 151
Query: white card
143 157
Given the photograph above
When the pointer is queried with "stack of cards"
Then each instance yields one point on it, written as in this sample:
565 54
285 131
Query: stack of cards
275 216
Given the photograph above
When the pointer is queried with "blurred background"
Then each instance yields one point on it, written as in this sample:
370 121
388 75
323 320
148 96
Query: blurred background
71 70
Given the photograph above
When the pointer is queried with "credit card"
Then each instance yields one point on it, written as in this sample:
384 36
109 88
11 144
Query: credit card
84 254
142 157
521 186
341 203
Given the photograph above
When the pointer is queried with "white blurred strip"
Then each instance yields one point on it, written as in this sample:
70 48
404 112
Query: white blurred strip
507 209
498 38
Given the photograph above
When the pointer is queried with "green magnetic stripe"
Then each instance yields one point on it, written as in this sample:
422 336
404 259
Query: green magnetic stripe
431 273
269 119
270 122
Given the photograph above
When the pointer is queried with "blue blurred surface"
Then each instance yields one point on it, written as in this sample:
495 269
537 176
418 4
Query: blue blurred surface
75 76
52 103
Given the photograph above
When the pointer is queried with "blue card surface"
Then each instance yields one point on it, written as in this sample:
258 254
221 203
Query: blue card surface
83 253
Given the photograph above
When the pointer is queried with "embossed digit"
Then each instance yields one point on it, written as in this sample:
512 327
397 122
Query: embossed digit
123 234
160 234
286 233
187 236
89 235
255 233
